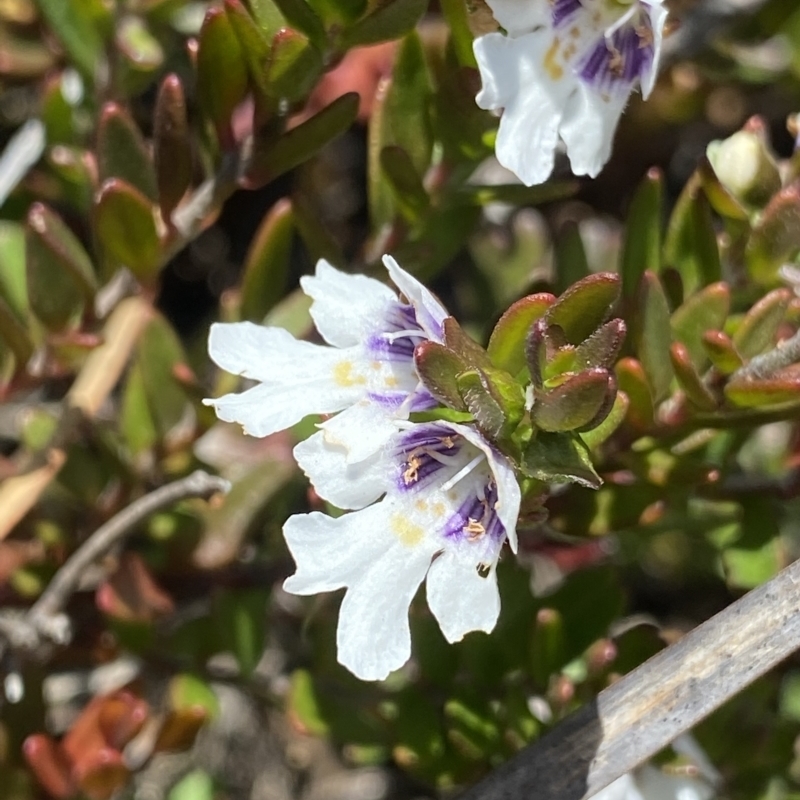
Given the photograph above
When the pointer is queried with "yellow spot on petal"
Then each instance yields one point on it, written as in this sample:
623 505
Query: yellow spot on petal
376 365
406 531
553 68
343 375
421 505
390 382
439 509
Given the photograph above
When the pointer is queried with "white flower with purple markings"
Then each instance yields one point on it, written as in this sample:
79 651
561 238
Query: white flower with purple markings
366 371
565 69
435 503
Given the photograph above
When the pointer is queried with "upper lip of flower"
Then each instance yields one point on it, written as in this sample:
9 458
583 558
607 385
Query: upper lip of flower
366 365
449 501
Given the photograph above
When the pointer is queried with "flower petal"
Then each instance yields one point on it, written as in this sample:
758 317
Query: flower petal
460 598
298 378
516 76
653 784
590 121
373 636
509 495
346 308
345 485
360 430
430 313
333 552
623 788
658 18
520 18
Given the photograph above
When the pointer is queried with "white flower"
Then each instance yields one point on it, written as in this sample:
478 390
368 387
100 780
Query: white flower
649 783
565 69
699 782
449 502
367 373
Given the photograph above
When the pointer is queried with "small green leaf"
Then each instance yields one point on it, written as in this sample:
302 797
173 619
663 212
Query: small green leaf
584 306
457 16
756 332
186 691
390 20
406 184
547 654
221 72
573 403
255 46
266 269
13 286
691 242
507 343
596 436
601 348
195 785
463 346
172 145
126 228
722 352
159 352
71 22
560 457
295 65
570 256
632 380
268 16
756 393
122 153
686 373
135 420
641 247
401 116
272 158
303 705
300 15
140 53
240 618
775 239
438 368
59 273
338 13
706 310
515 193
15 335
721 199
489 414
653 335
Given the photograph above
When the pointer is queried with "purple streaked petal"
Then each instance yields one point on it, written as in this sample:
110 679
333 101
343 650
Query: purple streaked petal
476 519
383 347
563 10
619 60
424 451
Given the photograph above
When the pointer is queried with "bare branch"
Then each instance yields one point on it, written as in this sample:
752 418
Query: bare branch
651 706
45 623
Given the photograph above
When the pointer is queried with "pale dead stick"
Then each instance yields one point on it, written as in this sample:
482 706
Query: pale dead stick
651 706
98 376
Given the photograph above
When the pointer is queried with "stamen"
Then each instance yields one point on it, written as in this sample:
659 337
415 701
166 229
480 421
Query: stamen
622 21
390 337
474 530
462 473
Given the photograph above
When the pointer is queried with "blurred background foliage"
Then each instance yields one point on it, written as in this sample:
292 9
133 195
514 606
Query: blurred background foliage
198 158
